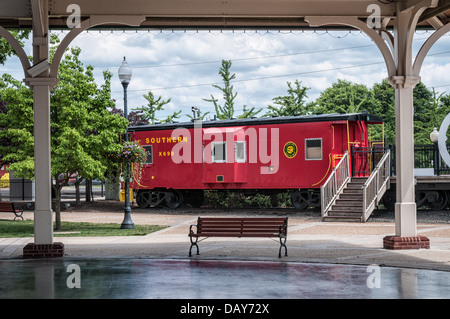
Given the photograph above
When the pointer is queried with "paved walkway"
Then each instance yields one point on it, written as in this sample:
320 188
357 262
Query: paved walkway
309 240
326 260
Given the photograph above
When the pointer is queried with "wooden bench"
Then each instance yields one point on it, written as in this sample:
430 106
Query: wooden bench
239 227
8 207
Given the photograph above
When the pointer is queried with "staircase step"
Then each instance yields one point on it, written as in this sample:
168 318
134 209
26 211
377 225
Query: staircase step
353 189
354 186
344 213
351 196
361 180
349 202
341 219
345 208
349 206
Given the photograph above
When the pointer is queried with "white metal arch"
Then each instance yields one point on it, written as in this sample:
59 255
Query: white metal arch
421 55
17 49
358 24
91 22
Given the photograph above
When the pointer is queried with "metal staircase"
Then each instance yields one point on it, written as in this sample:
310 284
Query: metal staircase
348 206
353 199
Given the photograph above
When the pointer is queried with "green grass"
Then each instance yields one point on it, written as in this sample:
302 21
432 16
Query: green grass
25 228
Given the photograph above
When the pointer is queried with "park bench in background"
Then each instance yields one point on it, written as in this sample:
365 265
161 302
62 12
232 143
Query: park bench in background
8 207
239 227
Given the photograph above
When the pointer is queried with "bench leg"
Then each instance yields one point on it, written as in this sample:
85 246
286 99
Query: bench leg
18 215
282 244
193 243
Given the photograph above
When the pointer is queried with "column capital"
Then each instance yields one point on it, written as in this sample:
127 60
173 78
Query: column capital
41 81
403 81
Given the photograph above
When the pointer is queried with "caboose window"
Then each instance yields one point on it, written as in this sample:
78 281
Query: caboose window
149 150
219 152
313 149
240 152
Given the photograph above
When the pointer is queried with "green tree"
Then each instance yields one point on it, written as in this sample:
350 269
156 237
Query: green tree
154 105
430 111
226 111
291 104
384 105
249 112
16 126
83 131
344 97
423 114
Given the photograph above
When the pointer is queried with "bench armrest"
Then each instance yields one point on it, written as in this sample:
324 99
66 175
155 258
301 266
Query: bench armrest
191 232
282 234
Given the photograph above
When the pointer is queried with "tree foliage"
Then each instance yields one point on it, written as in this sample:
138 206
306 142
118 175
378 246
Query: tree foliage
226 111
344 97
291 104
16 126
83 130
148 113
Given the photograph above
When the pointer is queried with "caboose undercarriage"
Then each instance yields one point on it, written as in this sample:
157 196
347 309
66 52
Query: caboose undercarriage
172 198
432 192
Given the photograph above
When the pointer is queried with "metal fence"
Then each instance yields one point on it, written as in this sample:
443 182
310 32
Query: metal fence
18 189
365 159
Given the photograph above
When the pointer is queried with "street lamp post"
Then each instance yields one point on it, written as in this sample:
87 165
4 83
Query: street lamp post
434 137
125 77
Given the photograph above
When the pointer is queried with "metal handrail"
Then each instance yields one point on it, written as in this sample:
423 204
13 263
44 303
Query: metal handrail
334 184
376 184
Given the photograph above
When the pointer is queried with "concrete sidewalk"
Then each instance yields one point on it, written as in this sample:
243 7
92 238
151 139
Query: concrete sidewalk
309 240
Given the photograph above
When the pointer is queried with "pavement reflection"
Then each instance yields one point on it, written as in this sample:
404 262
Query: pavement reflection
141 278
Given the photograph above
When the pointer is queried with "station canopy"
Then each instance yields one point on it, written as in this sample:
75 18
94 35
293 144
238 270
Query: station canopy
229 14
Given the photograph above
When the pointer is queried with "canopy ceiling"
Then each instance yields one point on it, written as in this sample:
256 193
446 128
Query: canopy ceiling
268 14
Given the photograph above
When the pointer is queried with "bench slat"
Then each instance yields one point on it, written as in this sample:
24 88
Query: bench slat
231 219
7 207
235 234
266 226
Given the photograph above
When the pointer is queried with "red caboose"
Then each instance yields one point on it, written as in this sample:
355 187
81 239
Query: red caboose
266 155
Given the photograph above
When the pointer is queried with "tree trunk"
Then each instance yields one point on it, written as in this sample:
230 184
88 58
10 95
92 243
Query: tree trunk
58 207
77 193
88 187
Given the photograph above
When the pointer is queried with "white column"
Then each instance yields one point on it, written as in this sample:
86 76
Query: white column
405 207
43 214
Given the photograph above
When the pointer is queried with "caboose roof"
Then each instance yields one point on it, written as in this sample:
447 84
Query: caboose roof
369 118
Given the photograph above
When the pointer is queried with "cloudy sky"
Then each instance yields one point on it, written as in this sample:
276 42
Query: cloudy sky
183 65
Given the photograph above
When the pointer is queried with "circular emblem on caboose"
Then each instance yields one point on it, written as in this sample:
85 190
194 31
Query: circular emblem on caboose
290 149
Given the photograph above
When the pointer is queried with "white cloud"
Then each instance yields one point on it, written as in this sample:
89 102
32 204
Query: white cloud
183 66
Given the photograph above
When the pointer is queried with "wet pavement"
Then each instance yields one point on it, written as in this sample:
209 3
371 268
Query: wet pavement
132 278
326 261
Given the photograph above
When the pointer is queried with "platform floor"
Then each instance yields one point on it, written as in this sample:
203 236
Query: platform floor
131 278
326 261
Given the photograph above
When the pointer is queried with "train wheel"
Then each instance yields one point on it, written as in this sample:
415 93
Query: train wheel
300 199
438 201
146 199
421 198
389 200
174 199
142 199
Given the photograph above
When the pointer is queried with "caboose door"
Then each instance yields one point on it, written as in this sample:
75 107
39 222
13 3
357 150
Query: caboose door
225 157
